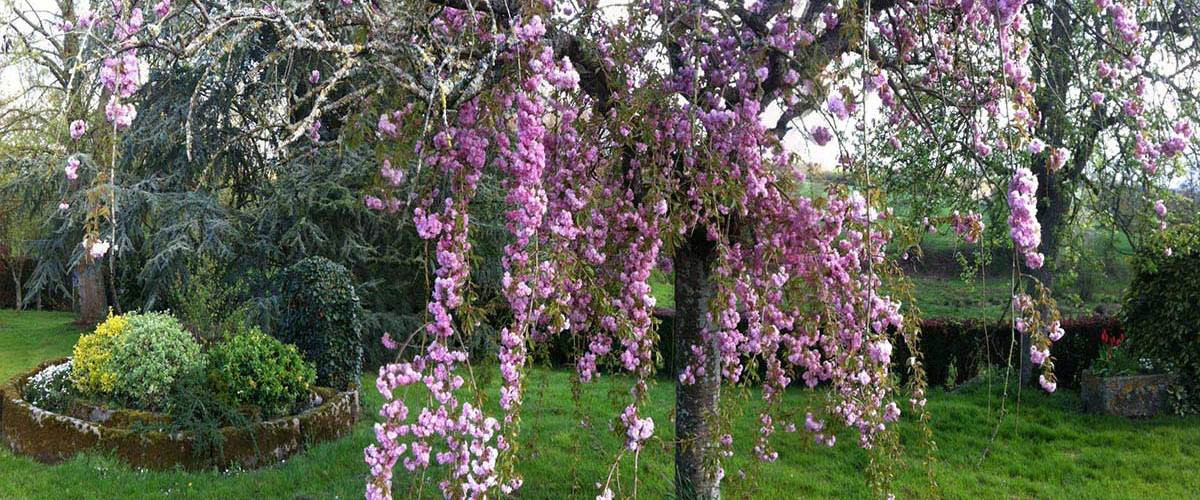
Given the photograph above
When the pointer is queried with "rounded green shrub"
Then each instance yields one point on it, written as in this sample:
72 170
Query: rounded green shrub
152 355
322 316
251 368
1162 309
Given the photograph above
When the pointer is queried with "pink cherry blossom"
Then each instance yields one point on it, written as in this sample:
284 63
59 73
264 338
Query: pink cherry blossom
821 135
1024 227
1048 384
1037 355
96 248
1058 158
120 114
78 128
1056 331
837 107
72 168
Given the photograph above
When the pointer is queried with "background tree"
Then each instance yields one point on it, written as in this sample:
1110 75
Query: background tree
49 45
210 209
1113 113
16 230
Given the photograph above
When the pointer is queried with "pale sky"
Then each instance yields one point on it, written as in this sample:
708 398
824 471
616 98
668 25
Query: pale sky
10 78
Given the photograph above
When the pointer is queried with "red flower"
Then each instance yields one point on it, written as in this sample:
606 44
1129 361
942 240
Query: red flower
1111 340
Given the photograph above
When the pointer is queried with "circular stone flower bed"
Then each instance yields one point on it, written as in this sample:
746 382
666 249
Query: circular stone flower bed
53 437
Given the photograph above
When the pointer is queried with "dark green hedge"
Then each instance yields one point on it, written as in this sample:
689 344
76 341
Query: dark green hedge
1162 308
964 348
322 316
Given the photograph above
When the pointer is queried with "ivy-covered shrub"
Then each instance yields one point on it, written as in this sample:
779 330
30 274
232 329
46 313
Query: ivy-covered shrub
321 315
150 357
90 371
1162 309
52 388
251 368
398 326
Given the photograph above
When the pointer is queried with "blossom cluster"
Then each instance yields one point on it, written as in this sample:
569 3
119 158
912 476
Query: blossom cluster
1039 320
969 227
468 436
1023 225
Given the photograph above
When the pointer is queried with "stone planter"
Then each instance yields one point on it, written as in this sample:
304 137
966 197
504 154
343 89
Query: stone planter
1126 395
51 437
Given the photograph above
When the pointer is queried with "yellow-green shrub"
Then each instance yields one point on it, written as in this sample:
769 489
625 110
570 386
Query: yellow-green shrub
90 371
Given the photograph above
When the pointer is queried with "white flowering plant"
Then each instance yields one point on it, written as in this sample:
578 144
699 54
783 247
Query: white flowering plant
51 388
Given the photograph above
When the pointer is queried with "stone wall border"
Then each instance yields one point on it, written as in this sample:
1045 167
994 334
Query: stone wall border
1126 395
52 437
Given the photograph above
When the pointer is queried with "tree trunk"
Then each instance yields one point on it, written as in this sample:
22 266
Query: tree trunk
1054 206
93 302
696 405
1053 198
17 288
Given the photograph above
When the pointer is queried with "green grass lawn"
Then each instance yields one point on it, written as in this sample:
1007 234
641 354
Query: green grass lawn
982 299
663 289
945 295
1043 449
986 299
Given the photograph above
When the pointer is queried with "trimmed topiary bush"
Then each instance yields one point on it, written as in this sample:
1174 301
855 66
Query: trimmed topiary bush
90 371
1162 309
322 317
150 357
251 368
